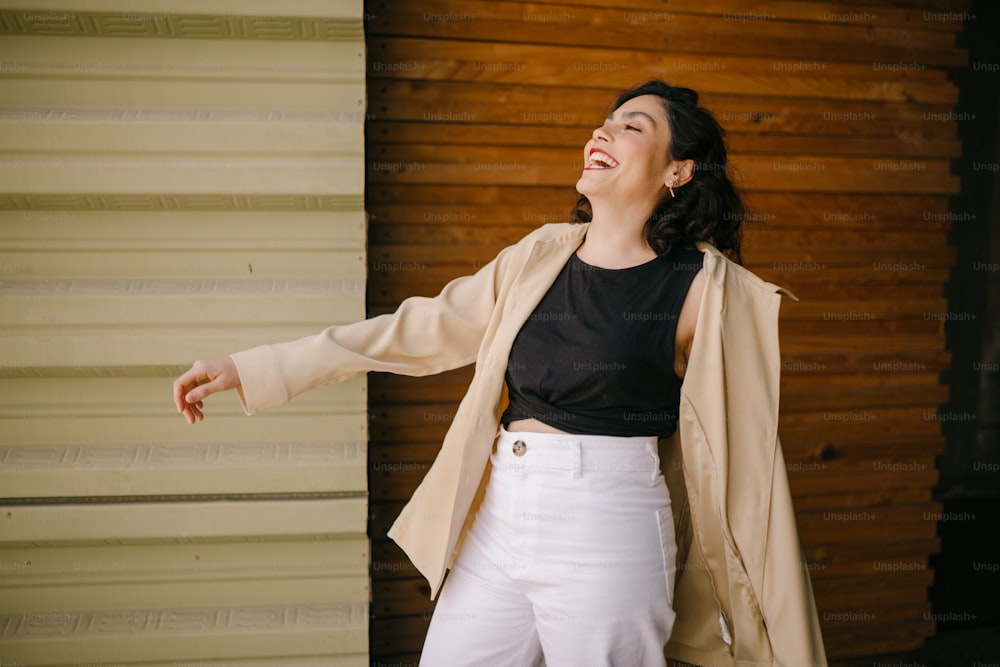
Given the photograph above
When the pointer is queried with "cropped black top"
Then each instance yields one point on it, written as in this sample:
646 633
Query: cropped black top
597 354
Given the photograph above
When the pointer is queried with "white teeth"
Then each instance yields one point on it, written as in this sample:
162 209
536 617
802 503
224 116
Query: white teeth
601 161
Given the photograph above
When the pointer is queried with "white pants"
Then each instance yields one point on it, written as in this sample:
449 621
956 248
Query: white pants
569 563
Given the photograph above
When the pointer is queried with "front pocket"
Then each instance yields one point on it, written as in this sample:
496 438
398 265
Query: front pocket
668 547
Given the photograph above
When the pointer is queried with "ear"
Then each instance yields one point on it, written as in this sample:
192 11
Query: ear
679 172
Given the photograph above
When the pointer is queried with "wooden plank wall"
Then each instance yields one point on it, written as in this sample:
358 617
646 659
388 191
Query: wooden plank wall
841 125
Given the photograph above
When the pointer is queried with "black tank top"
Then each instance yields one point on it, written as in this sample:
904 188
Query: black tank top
597 354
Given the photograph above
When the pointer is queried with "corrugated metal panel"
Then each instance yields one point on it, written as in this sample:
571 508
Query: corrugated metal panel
180 182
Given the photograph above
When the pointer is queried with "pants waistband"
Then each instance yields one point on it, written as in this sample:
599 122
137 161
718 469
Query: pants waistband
577 453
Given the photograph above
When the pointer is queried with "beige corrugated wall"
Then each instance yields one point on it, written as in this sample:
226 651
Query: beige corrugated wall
178 179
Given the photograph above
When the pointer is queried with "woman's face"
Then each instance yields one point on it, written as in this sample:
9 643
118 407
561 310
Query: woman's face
627 157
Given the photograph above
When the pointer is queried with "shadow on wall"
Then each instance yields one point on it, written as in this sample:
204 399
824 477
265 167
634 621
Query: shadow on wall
967 569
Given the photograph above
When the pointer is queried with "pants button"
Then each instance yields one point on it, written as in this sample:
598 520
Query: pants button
519 448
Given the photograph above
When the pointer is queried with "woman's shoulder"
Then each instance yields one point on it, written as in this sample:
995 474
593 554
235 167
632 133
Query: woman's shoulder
549 233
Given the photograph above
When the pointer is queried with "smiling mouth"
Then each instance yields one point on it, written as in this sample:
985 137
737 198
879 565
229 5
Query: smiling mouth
600 160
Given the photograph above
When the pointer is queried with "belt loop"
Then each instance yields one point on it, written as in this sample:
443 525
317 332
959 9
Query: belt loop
651 447
577 459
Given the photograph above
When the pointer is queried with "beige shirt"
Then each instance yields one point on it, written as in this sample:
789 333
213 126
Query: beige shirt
743 594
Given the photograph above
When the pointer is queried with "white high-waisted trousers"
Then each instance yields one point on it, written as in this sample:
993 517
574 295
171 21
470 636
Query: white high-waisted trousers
569 563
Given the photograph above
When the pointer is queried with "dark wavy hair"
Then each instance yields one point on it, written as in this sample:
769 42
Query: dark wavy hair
708 207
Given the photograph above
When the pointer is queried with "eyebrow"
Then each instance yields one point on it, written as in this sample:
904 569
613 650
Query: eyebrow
633 114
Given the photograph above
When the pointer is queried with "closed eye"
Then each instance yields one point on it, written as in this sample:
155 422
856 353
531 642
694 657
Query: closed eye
632 127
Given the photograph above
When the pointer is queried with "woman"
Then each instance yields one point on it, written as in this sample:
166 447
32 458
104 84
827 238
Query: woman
560 534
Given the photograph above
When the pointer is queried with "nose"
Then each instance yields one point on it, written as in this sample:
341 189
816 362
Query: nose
600 134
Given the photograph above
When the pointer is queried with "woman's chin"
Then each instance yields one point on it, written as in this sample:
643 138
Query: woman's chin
586 185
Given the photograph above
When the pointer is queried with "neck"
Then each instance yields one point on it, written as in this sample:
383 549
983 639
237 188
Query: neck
615 238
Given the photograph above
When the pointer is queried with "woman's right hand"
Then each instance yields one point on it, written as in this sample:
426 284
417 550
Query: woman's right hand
203 379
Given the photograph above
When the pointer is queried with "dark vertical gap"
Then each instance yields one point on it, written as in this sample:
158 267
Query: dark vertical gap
967 569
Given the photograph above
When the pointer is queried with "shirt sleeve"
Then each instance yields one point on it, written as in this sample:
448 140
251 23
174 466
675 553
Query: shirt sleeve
425 335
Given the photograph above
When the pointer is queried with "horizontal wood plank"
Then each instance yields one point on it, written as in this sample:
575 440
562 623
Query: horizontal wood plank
540 65
682 32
